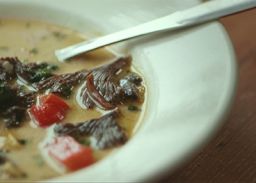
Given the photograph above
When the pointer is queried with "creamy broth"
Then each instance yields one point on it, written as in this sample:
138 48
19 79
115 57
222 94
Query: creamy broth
36 41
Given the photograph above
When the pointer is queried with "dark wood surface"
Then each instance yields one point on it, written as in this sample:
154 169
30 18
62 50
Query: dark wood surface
231 156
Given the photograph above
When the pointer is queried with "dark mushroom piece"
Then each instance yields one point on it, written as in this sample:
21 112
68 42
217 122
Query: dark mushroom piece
61 84
13 105
27 73
110 85
104 132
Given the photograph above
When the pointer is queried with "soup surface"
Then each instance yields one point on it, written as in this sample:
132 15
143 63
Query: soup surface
83 116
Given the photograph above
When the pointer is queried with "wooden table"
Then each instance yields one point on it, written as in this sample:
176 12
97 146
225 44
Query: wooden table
231 156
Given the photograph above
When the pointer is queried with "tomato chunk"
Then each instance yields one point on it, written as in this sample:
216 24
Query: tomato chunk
50 109
54 100
70 153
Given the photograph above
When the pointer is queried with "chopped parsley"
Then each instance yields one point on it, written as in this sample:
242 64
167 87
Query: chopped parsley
43 72
22 141
59 35
133 108
85 142
4 48
27 25
25 60
39 160
33 51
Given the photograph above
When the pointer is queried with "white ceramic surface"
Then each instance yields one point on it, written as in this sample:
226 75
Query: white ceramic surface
190 76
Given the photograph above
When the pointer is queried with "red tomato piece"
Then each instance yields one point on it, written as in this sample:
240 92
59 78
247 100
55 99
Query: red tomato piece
53 100
50 109
70 153
46 115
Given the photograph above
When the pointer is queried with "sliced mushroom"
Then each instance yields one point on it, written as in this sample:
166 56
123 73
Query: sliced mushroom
104 132
110 85
62 84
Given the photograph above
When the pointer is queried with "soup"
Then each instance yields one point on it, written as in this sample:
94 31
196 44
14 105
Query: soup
57 117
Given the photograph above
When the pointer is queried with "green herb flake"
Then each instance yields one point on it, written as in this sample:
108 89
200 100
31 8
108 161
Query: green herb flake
59 35
41 75
43 37
133 108
43 72
66 90
22 141
4 48
3 154
52 67
27 25
85 142
33 51
38 160
25 60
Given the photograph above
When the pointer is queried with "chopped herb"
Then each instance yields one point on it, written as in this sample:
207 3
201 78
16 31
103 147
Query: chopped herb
24 175
43 72
28 25
33 51
23 141
4 48
41 75
25 60
66 90
59 35
85 142
52 67
22 88
133 108
43 37
2 158
39 160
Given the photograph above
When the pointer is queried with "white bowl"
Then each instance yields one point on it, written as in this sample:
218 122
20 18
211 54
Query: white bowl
190 76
